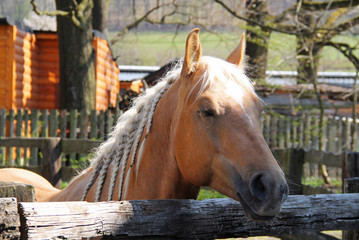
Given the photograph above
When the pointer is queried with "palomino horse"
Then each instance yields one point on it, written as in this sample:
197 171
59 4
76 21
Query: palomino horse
199 126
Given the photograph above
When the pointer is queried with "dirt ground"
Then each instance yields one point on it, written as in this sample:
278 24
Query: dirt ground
337 234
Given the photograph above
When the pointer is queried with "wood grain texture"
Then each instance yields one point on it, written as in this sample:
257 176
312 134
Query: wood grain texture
9 219
22 192
185 219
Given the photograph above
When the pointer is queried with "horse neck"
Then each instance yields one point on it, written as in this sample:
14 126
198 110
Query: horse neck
156 174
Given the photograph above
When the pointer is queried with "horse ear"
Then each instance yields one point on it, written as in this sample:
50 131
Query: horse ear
237 56
192 53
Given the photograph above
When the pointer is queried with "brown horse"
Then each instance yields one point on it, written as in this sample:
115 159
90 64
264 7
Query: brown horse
199 126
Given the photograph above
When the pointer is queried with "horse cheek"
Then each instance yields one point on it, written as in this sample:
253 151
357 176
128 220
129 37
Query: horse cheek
191 155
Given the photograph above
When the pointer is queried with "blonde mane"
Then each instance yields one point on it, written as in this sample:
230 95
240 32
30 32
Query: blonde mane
126 135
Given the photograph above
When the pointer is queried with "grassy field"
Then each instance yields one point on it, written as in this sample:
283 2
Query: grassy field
158 48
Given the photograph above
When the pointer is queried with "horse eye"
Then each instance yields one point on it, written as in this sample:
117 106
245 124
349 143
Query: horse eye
206 113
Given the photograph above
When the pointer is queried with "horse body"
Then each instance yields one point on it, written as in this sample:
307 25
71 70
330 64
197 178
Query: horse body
44 191
204 132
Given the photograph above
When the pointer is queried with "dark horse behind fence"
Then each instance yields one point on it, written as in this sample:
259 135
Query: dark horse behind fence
199 126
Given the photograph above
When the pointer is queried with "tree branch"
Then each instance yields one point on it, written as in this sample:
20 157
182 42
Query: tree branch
297 29
135 23
343 27
266 27
49 13
75 15
346 50
329 5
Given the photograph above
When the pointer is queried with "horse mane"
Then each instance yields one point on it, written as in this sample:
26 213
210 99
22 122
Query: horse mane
126 135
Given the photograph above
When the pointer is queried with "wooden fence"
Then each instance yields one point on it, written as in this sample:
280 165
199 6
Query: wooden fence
284 132
54 123
173 219
280 132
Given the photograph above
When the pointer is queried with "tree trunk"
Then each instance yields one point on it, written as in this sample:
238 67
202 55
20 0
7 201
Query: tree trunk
100 15
257 40
77 68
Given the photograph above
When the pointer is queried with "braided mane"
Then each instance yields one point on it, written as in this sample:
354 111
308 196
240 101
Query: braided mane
126 136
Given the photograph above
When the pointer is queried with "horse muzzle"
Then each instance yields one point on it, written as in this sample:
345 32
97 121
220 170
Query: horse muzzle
264 195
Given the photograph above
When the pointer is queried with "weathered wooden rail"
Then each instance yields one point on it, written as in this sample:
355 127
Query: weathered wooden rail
169 219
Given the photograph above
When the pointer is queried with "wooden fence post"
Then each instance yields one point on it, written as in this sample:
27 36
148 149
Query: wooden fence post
73 131
292 160
26 134
22 192
350 167
294 133
34 133
19 118
301 131
347 135
53 123
45 123
101 123
9 219
93 122
2 134
288 143
281 133
83 125
51 161
63 123
307 132
351 185
10 161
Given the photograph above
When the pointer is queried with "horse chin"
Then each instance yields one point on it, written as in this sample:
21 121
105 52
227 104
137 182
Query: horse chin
252 214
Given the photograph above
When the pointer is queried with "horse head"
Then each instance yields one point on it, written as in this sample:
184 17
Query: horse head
218 140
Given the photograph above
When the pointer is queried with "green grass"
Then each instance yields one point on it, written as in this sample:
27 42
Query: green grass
208 194
158 48
64 184
318 182
336 184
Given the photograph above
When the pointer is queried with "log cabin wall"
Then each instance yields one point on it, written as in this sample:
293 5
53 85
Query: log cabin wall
6 65
25 65
48 76
107 83
29 70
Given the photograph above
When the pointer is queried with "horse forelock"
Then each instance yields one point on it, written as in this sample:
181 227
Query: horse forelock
215 69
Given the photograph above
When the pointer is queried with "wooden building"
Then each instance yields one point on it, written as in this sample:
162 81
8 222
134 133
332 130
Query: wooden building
29 70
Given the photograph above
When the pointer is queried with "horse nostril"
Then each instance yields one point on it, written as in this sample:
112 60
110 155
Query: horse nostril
257 187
